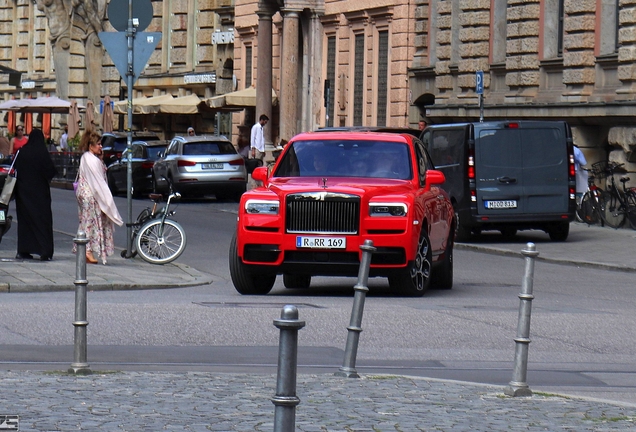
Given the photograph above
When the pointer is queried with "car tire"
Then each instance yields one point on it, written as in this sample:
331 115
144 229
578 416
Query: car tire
296 281
508 232
559 231
111 185
415 279
246 282
443 273
463 232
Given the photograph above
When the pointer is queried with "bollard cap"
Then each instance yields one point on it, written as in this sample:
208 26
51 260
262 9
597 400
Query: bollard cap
530 250
289 318
80 238
367 246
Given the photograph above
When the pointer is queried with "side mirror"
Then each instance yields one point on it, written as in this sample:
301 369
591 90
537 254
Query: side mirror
260 174
434 177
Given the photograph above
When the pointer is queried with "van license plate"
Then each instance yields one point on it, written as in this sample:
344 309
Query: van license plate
321 242
3 217
502 204
212 166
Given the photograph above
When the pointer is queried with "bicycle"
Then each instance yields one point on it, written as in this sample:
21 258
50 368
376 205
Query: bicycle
617 205
588 208
157 239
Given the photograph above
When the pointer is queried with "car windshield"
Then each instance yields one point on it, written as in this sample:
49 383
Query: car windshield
346 158
208 148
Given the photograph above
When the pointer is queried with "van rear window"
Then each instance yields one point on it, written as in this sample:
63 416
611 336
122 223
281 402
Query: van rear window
445 147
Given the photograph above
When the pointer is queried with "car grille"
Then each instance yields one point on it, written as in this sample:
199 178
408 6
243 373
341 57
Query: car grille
323 213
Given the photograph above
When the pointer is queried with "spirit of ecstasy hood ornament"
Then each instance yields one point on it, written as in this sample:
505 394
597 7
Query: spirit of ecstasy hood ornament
324 182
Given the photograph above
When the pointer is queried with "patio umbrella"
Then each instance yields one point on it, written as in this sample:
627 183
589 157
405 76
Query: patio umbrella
45 104
144 105
181 105
90 115
73 120
107 115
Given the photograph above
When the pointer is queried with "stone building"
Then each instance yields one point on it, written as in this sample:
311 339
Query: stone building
195 56
542 59
363 49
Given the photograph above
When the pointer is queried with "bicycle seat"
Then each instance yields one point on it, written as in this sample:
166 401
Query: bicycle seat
155 197
624 179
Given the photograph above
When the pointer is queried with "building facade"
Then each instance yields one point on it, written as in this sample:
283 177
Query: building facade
570 60
55 44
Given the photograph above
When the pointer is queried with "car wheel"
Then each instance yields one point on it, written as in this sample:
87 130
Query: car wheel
112 186
296 281
463 232
246 282
559 231
416 278
508 232
443 273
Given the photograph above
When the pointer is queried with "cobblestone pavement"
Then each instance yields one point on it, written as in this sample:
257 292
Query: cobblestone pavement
157 401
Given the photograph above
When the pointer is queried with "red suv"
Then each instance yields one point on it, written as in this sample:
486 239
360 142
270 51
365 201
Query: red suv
326 195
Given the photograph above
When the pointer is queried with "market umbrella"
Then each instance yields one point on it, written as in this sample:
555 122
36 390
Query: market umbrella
73 120
90 115
44 104
107 115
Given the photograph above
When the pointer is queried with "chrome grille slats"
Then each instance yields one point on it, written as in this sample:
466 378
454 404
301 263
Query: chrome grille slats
322 213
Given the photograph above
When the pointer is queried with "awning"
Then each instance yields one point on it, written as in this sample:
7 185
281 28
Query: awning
239 99
150 105
181 105
44 104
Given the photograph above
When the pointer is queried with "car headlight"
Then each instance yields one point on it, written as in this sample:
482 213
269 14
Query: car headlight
387 209
262 207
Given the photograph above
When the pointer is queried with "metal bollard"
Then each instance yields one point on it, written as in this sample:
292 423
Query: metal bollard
286 400
348 368
518 386
80 366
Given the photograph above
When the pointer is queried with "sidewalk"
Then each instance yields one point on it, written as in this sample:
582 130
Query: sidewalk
59 274
197 401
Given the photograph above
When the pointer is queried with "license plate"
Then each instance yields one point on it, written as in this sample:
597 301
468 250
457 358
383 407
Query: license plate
321 242
212 166
2 217
501 204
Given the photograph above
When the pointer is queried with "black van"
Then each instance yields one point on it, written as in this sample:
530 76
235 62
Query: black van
507 175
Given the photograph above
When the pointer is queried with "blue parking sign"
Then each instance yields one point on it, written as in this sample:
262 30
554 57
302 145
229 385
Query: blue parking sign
479 82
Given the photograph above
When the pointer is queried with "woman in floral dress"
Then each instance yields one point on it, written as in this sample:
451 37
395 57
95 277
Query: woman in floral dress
97 209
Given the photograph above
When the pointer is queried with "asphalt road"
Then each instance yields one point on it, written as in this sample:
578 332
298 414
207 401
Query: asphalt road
581 331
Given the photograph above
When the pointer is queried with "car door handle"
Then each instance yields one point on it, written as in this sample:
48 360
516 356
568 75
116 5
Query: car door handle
507 179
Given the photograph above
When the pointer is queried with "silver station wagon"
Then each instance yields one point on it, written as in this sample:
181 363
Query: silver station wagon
201 165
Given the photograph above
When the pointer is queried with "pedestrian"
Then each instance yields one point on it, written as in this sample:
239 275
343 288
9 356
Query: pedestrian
18 140
5 146
191 131
257 138
96 207
34 172
421 125
581 174
64 139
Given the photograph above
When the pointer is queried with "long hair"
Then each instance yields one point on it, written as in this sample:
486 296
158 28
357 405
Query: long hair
89 137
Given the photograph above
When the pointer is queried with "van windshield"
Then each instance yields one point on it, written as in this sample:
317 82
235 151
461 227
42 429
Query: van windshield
346 158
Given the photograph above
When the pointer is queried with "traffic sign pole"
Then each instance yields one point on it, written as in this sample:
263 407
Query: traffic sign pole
479 89
130 75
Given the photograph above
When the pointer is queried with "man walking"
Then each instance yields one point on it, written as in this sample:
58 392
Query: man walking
257 139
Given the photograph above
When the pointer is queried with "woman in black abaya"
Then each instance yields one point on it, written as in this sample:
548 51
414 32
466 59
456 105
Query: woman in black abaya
34 171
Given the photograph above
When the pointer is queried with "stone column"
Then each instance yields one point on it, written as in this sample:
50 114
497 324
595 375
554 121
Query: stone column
289 75
264 70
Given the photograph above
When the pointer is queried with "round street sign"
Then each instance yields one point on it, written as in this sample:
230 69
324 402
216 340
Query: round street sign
118 14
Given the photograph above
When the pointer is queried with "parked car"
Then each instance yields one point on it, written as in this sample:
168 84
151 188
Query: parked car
326 195
507 175
4 172
144 154
201 165
114 143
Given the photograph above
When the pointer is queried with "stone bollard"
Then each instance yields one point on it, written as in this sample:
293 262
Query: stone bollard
518 386
286 400
348 368
80 366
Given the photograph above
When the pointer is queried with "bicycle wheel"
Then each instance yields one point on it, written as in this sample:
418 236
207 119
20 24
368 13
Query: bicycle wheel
160 249
587 211
611 210
630 198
